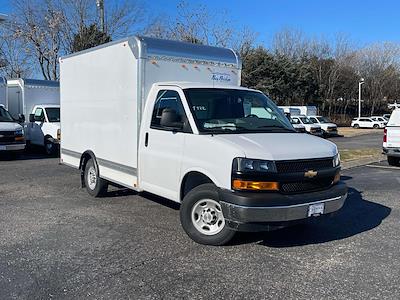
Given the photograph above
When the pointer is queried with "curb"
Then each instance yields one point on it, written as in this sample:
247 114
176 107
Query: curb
362 162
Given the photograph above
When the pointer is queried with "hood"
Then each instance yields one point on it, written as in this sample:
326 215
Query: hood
9 126
280 146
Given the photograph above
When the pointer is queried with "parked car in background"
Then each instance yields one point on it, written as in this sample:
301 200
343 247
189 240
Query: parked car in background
380 119
310 127
12 137
297 125
386 116
328 128
171 119
367 123
391 139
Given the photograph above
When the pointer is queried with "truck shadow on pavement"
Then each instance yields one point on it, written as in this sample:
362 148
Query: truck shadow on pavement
356 216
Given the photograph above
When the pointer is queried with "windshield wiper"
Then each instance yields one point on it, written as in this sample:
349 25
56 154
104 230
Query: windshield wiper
277 127
221 126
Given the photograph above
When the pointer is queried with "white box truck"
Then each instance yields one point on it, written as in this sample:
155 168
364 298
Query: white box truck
37 103
391 139
170 118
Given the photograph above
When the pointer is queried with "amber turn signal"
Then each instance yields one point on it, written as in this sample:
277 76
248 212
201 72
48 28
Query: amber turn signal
19 138
337 178
255 185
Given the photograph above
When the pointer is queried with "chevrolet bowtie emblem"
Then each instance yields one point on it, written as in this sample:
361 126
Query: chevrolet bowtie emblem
310 174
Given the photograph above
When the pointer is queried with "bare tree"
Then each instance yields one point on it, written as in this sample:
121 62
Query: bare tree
14 59
48 27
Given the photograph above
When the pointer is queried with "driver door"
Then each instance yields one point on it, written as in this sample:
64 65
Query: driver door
35 128
161 147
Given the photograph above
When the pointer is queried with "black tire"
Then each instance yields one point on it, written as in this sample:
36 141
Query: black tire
393 161
376 126
50 147
356 126
99 186
199 193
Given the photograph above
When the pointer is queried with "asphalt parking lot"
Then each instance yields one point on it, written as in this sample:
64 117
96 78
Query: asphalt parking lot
58 242
372 140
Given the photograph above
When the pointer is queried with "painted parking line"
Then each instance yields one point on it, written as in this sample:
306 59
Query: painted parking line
383 167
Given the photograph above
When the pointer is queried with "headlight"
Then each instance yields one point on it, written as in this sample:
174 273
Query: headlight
19 132
245 165
336 160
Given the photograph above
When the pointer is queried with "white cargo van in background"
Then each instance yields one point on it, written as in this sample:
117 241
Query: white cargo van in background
38 103
171 119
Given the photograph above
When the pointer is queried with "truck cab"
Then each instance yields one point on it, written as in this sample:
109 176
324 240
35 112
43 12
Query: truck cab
12 138
43 128
310 127
391 139
179 125
328 128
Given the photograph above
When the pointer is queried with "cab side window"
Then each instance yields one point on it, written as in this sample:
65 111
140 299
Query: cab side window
168 112
314 120
39 115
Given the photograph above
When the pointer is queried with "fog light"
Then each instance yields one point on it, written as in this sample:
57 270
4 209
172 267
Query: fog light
255 185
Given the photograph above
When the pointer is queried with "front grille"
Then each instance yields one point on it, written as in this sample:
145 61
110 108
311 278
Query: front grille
293 166
306 186
7 137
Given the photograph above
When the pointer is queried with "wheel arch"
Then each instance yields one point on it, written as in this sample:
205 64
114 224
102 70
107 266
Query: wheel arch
192 179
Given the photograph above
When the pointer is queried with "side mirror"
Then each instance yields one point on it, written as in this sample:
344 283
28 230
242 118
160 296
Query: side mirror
170 119
31 118
21 118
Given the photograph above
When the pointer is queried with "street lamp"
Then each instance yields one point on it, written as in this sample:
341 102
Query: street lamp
360 83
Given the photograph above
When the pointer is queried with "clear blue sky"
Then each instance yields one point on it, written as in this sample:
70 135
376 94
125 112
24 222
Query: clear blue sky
364 21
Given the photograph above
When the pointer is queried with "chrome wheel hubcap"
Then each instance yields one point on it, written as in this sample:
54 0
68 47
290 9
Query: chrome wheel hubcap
207 217
92 178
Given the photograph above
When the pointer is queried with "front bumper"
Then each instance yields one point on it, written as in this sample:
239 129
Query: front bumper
258 211
12 147
392 152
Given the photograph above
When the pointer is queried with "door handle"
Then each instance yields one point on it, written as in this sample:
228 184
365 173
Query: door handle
146 139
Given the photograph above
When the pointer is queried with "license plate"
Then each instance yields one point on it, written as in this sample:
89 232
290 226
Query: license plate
2 147
316 209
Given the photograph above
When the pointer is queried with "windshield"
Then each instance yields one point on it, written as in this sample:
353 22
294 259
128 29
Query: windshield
230 111
323 120
53 114
5 116
306 120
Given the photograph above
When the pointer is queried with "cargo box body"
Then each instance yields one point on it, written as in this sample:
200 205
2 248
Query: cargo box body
24 94
104 90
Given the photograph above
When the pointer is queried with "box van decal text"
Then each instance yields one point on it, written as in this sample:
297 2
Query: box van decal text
221 77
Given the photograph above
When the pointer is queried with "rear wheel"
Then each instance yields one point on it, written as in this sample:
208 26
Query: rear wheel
202 218
393 161
356 126
95 185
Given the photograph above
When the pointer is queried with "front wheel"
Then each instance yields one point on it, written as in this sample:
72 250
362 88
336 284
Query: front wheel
393 161
50 147
376 126
202 219
95 185
356 126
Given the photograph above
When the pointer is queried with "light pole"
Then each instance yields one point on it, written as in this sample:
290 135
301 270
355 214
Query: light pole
100 6
360 83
